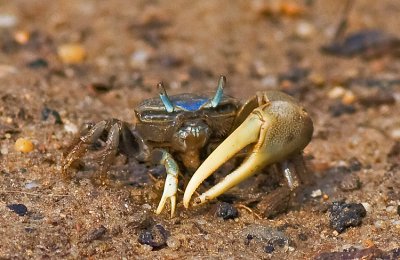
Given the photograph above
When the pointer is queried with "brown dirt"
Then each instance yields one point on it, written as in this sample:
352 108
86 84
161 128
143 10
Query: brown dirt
187 45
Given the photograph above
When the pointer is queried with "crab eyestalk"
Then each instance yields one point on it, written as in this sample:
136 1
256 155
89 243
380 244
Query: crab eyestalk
164 98
219 93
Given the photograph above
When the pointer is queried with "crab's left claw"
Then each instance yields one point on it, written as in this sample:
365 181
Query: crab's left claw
277 129
171 182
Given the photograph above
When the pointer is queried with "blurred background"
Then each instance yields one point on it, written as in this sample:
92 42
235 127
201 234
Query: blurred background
64 63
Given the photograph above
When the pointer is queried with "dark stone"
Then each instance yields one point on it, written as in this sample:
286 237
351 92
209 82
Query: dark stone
29 229
19 209
377 98
226 211
269 249
337 109
355 164
295 74
343 215
350 182
155 236
394 253
47 112
96 234
302 236
100 88
270 238
38 64
394 154
365 43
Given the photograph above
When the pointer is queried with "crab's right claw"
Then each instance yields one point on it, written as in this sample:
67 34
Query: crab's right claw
277 130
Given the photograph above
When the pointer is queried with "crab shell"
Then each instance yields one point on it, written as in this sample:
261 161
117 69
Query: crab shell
157 125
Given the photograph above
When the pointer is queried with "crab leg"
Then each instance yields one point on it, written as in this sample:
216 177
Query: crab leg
276 136
171 182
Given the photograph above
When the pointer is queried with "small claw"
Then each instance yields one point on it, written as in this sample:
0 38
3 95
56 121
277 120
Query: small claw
170 189
278 129
171 182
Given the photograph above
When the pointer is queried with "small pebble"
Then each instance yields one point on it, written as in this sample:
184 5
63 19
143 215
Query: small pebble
226 211
344 215
173 243
19 209
37 64
395 134
23 145
336 92
316 193
269 81
391 209
71 128
348 98
21 36
8 20
367 206
302 236
96 233
291 9
377 98
4 150
316 79
354 164
398 210
155 236
338 109
5 70
31 185
267 236
380 224
71 53
350 183
259 67
146 206
139 59
51 113
305 30
269 249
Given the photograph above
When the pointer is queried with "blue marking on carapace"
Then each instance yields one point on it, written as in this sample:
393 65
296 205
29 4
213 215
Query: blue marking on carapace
190 105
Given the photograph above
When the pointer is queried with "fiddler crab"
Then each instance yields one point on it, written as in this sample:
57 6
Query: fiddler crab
182 129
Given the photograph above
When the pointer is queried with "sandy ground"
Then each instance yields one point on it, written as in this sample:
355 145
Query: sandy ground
132 45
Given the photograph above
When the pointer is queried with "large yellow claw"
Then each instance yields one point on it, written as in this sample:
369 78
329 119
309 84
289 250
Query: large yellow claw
278 129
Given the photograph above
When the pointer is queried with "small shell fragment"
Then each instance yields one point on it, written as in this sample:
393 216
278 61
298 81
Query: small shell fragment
71 53
21 36
24 145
